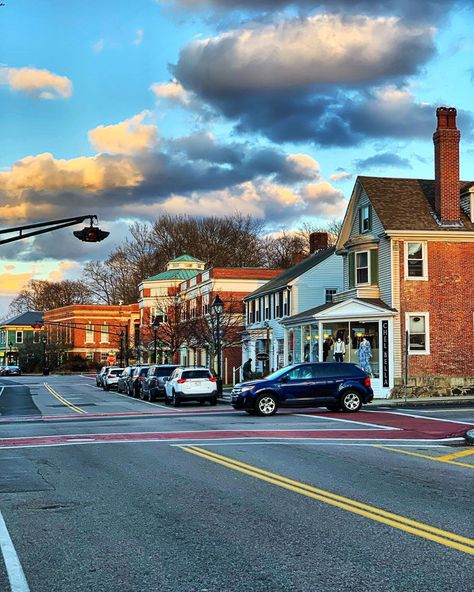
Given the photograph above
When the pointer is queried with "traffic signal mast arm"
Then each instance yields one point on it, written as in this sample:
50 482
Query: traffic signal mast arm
82 326
43 227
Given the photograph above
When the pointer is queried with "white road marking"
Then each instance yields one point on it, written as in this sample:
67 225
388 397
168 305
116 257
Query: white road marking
148 402
422 417
363 423
1 390
15 572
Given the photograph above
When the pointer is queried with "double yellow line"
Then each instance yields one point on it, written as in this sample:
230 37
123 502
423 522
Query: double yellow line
63 400
443 537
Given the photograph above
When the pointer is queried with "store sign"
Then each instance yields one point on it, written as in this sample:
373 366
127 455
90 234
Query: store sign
385 354
262 357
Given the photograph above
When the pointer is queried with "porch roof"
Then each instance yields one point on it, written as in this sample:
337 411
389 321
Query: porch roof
347 308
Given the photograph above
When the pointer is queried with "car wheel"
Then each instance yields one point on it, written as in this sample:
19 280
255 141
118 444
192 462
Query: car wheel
167 401
351 402
142 394
333 406
202 402
106 387
266 405
213 400
175 400
151 398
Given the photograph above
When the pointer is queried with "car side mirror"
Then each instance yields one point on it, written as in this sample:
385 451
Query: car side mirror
284 379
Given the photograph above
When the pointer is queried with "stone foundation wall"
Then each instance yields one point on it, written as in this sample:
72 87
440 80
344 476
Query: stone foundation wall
434 386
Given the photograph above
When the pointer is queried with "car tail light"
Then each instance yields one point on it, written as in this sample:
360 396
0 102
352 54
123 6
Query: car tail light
110 375
367 381
181 380
212 379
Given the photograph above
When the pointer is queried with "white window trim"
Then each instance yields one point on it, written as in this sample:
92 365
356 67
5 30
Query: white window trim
369 271
104 335
325 293
89 334
16 336
361 209
427 351
424 249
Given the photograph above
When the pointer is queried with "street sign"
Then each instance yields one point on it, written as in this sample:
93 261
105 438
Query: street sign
262 357
112 358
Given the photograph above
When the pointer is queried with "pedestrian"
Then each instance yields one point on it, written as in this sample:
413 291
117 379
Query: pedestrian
339 350
247 369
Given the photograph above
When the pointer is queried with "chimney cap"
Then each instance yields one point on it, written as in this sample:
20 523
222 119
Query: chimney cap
446 117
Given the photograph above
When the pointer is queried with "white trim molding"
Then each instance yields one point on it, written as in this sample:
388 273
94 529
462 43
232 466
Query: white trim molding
424 251
426 315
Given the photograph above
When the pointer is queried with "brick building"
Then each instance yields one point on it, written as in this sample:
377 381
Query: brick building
408 252
197 294
92 331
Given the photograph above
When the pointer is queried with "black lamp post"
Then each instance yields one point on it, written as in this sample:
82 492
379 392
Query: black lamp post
155 325
218 308
10 344
45 368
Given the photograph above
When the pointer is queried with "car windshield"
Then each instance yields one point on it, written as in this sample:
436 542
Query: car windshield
195 374
116 372
277 373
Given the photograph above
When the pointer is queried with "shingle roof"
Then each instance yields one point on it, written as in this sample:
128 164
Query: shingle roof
174 274
290 274
408 204
317 309
31 317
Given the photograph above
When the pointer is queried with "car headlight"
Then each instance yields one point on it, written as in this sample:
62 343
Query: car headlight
244 389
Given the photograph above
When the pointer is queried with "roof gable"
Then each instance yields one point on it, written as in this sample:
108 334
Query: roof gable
28 318
292 273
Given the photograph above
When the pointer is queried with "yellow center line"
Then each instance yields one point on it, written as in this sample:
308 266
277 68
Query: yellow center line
420 529
443 459
456 455
62 400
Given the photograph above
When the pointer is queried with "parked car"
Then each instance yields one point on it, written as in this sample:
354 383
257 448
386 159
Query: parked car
191 384
124 378
334 385
136 380
110 380
154 384
11 371
100 375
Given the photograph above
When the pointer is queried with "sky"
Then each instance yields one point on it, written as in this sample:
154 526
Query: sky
208 107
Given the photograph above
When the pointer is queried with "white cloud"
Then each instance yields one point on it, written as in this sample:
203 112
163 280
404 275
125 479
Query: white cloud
323 49
38 83
340 176
130 136
304 165
139 37
172 92
98 46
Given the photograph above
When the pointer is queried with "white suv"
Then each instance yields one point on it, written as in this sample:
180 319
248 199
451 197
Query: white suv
191 384
110 378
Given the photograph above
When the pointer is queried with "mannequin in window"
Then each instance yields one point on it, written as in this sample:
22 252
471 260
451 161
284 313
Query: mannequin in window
339 350
364 354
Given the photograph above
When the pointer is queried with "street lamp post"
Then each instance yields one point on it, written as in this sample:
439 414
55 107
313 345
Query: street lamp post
218 308
267 346
45 368
155 325
10 345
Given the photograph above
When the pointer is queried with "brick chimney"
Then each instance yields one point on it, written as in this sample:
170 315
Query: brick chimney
446 142
318 241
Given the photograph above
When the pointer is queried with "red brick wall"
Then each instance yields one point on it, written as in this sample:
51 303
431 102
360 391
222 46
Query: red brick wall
448 296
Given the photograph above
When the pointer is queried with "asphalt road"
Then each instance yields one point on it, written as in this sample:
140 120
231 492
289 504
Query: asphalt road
100 492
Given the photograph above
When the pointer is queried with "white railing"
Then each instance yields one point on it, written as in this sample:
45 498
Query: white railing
237 370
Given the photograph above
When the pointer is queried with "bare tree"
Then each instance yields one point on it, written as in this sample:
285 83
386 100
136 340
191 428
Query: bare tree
284 250
45 295
333 228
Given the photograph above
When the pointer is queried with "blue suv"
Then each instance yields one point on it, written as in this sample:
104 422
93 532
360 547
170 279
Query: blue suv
333 385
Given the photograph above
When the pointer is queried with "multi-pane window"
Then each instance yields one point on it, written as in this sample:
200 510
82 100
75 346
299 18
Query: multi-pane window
362 267
415 260
329 294
365 218
36 337
3 337
104 334
90 333
418 332
19 337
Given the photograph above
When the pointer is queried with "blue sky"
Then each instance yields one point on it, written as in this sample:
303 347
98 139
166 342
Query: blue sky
127 109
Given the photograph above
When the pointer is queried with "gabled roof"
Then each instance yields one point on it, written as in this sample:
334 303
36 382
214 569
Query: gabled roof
292 273
408 204
31 317
174 274
187 258
373 303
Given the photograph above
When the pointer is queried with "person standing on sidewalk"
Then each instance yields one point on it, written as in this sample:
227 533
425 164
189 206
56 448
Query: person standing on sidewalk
247 369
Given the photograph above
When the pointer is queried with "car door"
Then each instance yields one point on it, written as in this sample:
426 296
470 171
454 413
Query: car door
297 386
329 379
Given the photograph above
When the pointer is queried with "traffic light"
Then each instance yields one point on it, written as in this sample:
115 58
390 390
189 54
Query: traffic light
91 234
37 326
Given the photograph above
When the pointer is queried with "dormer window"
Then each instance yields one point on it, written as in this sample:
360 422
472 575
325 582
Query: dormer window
365 219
